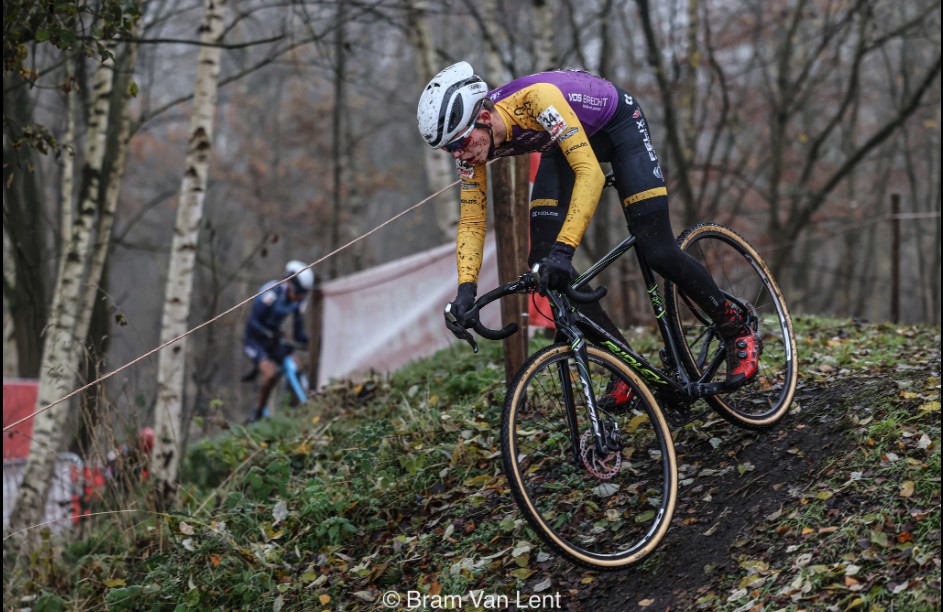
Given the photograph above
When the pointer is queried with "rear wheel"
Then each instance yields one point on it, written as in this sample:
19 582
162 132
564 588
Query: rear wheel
602 510
743 276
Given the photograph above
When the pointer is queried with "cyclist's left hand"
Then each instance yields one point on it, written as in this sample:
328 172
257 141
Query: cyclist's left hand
456 320
556 269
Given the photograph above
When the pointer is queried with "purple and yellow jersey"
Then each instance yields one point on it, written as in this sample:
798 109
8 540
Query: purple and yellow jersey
562 108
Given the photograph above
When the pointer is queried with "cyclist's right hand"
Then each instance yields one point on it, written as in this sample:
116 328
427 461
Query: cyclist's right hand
456 311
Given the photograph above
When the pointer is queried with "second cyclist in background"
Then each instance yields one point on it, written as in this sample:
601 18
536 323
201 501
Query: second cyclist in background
263 343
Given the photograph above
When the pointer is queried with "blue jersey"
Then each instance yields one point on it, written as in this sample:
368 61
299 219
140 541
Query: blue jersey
269 311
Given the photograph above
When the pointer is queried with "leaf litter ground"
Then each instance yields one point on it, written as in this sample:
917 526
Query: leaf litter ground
729 493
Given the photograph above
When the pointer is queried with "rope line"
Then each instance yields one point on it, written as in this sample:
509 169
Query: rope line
233 308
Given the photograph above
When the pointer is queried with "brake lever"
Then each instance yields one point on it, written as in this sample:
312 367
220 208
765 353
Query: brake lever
465 335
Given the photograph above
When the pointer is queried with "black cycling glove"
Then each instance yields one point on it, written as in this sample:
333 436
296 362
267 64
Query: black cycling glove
556 269
455 317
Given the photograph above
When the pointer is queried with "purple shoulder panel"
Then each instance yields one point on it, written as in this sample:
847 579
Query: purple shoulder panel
593 98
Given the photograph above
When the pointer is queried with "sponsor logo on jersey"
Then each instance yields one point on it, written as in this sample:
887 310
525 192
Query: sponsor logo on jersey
569 133
575 147
643 130
588 101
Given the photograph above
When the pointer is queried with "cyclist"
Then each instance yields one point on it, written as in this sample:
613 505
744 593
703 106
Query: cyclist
576 120
262 342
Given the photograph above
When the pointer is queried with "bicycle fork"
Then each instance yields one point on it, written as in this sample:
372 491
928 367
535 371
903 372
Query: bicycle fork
581 359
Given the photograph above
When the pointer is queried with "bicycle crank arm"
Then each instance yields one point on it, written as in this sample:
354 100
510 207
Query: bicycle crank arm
708 389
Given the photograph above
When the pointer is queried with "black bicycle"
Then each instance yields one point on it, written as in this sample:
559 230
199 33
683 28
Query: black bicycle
598 480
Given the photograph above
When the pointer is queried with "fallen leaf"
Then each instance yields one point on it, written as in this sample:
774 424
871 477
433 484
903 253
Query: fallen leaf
645 603
755 567
803 560
907 488
279 513
933 406
324 599
186 528
370 596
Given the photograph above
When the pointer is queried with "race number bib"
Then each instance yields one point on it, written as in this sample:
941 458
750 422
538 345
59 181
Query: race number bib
551 121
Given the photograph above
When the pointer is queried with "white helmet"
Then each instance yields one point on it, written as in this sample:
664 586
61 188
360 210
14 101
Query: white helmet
305 278
449 105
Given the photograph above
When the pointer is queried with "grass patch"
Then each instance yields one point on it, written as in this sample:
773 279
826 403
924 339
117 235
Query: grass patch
867 534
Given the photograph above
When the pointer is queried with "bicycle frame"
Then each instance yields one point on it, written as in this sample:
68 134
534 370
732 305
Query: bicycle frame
671 380
679 383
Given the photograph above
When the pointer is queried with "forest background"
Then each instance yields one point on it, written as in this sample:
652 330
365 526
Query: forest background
812 127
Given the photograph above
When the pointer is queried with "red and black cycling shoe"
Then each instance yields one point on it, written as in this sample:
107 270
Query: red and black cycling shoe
743 359
619 396
743 348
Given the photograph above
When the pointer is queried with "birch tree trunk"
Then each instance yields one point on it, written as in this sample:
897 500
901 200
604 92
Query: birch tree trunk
172 360
57 369
112 189
440 170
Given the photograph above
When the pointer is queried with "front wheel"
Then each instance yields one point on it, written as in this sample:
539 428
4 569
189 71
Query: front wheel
742 275
601 510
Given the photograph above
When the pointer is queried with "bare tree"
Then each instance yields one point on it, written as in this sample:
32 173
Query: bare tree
58 368
172 361
440 170
545 55
26 284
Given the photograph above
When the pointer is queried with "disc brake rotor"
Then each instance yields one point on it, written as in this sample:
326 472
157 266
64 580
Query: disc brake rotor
603 467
